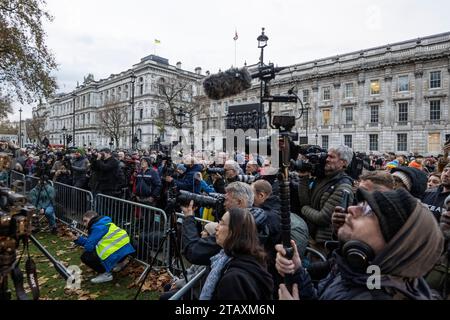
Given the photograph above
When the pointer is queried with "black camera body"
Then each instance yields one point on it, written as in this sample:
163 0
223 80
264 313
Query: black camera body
16 224
213 200
315 163
216 170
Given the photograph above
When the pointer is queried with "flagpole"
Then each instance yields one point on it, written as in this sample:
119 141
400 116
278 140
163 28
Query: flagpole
235 65
235 46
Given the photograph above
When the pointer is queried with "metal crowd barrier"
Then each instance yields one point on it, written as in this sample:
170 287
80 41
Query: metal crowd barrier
17 182
192 289
71 203
145 225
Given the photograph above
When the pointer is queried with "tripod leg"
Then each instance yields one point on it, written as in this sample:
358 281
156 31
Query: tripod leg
5 294
147 272
178 255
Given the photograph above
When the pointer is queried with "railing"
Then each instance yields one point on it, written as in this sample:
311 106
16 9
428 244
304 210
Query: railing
145 225
188 290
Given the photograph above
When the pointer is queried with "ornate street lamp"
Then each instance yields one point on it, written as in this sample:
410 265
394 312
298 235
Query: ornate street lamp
307 120
20 128
133 138
73 120
262 43
64 135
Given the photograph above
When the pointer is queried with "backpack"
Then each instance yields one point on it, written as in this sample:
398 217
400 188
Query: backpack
299 233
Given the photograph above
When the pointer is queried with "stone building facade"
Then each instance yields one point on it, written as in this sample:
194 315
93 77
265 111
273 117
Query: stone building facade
390 98
93 97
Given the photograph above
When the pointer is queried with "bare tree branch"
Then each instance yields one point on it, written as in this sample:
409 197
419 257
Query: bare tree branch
111 120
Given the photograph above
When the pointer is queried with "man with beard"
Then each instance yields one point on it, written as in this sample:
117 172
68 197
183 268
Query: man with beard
317 203
388 243
434 198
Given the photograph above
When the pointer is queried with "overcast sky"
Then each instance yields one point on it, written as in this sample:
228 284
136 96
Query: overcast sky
109 36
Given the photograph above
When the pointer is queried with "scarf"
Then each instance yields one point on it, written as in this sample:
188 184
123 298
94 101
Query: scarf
218 262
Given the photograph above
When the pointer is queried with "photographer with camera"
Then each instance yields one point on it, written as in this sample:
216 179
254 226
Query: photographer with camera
79 166
42 197
107 247
186 181
43 165
231 172
238 195
57 164
319 201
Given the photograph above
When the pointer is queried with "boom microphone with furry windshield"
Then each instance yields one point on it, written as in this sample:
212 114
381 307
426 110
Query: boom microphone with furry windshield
228 83
233 81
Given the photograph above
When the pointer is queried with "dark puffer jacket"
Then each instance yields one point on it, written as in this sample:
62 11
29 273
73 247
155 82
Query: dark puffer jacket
317 204
244 278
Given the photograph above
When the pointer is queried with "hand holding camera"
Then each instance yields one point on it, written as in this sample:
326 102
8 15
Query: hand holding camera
189 210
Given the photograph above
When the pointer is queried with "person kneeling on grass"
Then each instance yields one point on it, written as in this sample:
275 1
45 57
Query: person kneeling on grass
106 246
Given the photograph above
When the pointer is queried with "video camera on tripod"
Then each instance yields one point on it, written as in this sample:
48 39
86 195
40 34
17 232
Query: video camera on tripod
18 221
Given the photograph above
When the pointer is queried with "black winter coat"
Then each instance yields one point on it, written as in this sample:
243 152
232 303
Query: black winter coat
197 250
106 175
244 278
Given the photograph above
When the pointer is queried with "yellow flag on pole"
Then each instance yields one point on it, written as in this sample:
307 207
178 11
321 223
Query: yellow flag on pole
157 41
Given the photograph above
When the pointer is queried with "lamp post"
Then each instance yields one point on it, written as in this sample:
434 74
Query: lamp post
181 114
307 120
73 120
19 137
262 43
133 138
64 136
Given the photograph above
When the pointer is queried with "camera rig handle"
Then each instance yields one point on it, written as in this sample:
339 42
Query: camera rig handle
285 205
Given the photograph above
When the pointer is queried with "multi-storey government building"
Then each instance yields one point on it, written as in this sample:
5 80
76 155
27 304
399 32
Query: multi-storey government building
93 97
390 98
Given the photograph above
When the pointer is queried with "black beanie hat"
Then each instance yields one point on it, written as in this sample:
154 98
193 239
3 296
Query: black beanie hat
392 208
418 179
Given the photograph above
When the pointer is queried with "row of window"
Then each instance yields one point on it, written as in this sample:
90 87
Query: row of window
434 142
374 117
435 82
85 120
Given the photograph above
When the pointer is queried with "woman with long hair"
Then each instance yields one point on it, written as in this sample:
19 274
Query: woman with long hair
238 271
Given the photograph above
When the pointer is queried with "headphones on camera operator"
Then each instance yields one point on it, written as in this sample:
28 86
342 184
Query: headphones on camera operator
357 254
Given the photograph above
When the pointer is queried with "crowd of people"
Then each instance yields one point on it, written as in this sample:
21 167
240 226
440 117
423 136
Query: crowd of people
395 219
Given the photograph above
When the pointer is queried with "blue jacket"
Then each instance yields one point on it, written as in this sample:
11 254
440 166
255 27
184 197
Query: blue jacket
46 196
187 182
96 232
202 186
148 184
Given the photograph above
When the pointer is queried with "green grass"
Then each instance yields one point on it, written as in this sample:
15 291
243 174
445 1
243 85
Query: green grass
52 284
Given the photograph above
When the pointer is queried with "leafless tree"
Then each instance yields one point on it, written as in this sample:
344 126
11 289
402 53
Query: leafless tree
111 118
179 104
